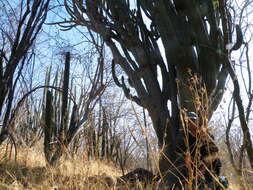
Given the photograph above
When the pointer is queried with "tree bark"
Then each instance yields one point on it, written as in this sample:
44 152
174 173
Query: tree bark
171 145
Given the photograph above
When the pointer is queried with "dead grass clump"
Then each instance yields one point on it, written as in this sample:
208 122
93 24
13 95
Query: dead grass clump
29 171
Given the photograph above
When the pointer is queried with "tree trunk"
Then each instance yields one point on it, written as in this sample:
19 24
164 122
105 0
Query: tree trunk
171 145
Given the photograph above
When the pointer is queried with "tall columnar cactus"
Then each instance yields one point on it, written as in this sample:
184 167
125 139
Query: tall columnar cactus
49 128
63 117
64 104
58 131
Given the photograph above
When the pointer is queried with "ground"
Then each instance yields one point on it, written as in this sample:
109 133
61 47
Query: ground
29 172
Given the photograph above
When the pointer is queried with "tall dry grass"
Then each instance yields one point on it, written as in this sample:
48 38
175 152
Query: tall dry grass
29 171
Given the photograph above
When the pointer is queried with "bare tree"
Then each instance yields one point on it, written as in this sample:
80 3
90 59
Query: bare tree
19 28
107 138
194 36
244 72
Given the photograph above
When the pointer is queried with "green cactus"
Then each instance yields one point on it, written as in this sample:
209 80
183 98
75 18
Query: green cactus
58 131
67 116
64 103
48 128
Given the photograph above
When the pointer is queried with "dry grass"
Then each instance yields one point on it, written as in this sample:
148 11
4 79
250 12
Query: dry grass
29 172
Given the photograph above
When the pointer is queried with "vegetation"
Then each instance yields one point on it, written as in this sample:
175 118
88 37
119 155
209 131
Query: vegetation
67 68
194 35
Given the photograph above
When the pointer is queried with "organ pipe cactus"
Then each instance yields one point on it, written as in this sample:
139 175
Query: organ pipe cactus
63 116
